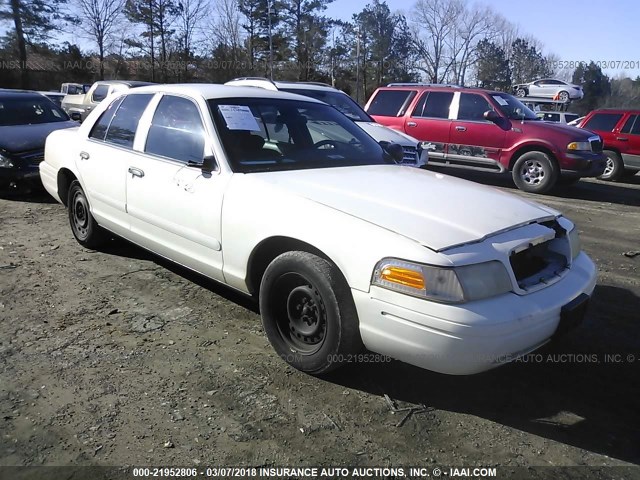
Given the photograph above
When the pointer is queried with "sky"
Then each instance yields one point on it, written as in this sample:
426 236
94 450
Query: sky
580 30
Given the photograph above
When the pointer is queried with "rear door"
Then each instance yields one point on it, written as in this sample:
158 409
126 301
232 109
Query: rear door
629 134
474 141
389 106
103 160
429 121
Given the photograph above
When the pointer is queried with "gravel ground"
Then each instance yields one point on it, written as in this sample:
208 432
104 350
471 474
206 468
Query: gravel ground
118 357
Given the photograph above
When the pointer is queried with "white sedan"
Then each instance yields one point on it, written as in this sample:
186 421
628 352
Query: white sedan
550 88
342 248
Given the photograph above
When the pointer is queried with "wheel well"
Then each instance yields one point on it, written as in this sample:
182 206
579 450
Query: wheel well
65 178
530 148
269 249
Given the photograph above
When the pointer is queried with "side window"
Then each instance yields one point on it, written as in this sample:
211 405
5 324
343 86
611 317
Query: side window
635 130
122 129
437 105
552 117
570 117
629 124
604 122
100 93
99 129
391 103
176 131
472 107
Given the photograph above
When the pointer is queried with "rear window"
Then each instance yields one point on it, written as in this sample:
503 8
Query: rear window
100 93
390 103
603 121
569 117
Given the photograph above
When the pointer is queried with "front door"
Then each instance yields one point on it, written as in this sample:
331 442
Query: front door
174 207
474 141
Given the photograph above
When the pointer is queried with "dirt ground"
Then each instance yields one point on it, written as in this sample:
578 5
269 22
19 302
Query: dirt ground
117 357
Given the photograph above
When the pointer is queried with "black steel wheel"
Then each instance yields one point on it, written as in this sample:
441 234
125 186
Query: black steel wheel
308 312
84 227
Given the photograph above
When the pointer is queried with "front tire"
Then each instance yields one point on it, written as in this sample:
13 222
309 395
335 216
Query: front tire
521 92
614 169
535 172
308 313
84 227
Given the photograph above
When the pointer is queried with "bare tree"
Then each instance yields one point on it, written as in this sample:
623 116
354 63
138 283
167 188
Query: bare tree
226 24
434 25
192 14
99 20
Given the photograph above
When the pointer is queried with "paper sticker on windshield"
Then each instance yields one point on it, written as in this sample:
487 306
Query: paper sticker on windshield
500 100
238 117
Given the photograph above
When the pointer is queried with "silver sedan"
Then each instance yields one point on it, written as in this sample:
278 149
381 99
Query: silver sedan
550 88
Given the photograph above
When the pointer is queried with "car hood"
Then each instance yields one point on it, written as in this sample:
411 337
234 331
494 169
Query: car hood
568 130
22 138
436 210
386 134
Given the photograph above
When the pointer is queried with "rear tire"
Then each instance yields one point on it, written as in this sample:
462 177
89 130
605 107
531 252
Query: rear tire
84 227
308 313
564 97
535 172
615 166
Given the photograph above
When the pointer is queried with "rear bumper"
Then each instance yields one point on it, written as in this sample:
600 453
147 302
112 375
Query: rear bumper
469 338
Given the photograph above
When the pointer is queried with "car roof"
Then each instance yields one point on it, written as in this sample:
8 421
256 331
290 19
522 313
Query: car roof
268 84
214 90
616 110
130 83
437 86
10 93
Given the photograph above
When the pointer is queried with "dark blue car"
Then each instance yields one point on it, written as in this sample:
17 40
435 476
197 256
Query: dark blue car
26 118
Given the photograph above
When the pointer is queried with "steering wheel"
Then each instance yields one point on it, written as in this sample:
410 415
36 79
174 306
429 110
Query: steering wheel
322 143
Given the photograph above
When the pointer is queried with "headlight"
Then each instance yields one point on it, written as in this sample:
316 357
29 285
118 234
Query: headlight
574 242
448 285
581 146
5 162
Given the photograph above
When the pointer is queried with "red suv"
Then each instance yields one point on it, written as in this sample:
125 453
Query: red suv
620 132
490 131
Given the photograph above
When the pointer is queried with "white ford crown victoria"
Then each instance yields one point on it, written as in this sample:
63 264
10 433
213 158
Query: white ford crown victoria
289 201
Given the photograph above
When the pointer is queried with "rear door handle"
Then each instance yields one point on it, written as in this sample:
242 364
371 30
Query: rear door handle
136 172
460 128
84 156
412 124
622 139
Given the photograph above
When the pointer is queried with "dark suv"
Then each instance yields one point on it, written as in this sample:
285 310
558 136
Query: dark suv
620 132
489 131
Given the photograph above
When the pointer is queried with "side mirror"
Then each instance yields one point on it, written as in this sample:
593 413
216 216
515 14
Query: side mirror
209 164
394 150
491 115
75 116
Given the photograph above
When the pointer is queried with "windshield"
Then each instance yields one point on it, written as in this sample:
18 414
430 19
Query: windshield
341 101
29 110
266 134
513 108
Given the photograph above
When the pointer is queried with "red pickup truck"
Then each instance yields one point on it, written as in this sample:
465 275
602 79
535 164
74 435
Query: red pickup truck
620 132
490 131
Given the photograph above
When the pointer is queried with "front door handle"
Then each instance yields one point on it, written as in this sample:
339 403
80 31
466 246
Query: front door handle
412 124
136 172
84 156
622 139
460 128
